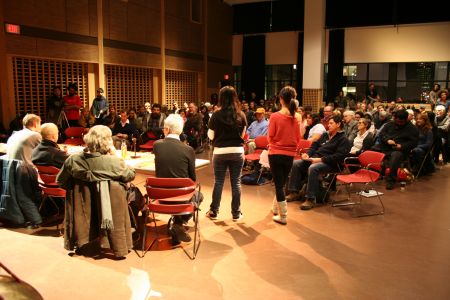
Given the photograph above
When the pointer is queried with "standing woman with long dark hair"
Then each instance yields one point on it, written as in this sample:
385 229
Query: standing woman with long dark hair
283 136
226 130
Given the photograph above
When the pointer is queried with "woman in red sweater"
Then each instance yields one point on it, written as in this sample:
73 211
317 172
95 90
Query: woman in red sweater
283 136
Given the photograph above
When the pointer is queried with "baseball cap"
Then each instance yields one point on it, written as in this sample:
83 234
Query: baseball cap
260 110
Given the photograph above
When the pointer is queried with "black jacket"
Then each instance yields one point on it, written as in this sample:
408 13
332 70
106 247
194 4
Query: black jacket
47 153
174 159
407 136
332 151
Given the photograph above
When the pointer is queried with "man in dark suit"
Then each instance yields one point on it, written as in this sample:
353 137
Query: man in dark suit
47 153
174 159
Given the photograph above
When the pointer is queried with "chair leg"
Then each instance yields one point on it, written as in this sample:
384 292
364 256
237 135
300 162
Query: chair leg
197 239
347 202
144 250
368 214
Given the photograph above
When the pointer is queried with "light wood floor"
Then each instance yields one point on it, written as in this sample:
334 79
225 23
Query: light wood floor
321 254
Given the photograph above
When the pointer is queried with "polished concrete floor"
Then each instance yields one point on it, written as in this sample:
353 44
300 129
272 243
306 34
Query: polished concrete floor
320 254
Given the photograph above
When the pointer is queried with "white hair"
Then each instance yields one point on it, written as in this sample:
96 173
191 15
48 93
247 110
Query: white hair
99 139
440 107
349 113
174 122
49 131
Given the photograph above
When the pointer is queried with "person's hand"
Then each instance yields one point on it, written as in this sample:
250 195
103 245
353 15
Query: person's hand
391 142
398 146
316 160
305 156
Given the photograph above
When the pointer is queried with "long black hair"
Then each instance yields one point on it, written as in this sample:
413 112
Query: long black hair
228 102
288 94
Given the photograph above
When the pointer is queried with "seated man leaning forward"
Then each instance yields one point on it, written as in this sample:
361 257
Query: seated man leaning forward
174 159
325 155
21 144
257 128
48 153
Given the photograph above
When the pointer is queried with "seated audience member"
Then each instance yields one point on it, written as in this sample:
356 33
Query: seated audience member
134 119
87 119
314 128
397 139
21 144
327 113
124 130
325 155
249 114
380 118
411 116
111 119
154 123
364 139
443 99
442 122
423 146
96 205
193 126
174 159
3 134
257 128
48 153
350 125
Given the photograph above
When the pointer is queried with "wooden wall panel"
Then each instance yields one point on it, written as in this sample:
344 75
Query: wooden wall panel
180 63
127 86
34 79
313 98
126 57
77 12
181 87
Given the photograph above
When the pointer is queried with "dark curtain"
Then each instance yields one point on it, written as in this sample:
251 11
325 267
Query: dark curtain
392 83
253 66
335 79
299 86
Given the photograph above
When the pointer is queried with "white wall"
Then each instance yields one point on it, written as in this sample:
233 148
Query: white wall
405 43
281 48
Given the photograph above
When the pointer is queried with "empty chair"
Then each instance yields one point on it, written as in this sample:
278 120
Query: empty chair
74 136
370 163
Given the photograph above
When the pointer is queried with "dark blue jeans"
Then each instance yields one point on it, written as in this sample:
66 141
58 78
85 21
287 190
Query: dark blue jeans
280 165
234 163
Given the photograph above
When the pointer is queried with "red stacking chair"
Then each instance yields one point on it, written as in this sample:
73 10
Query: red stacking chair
74 136
302 147
261 143
49 186
172 196
148 146
370 163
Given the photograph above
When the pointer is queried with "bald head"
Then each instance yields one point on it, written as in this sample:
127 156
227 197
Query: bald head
49 131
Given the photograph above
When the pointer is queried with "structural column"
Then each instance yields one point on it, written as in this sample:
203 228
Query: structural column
7 111
163 54
313 53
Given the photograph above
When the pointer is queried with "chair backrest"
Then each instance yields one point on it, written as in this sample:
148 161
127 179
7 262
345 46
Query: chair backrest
74 132
161 188
47 169
371 159
151 135
303 146
261 142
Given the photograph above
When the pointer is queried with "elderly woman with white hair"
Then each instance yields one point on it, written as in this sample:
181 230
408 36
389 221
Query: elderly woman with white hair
96 205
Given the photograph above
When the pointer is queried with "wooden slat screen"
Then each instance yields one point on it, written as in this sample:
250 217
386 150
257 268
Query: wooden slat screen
35 78
181 87
127 87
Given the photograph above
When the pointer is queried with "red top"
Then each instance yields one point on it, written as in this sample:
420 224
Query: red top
73 113
283 134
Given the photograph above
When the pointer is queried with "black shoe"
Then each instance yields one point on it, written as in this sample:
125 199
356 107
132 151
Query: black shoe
389 185
212 214
180 234
238 217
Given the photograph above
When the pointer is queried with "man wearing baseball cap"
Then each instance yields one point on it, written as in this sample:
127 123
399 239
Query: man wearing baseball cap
257 128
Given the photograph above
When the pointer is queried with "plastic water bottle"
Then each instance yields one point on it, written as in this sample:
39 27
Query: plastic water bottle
123 149
402 186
